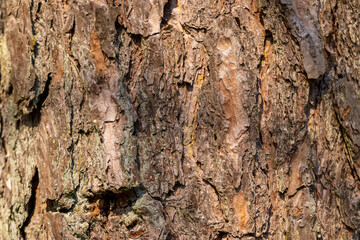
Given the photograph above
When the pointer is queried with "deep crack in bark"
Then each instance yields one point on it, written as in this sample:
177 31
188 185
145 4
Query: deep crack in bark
30 206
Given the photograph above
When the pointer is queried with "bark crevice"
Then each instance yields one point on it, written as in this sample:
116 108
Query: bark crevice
31 204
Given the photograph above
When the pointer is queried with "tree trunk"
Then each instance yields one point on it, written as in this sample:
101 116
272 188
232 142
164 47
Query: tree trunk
180 119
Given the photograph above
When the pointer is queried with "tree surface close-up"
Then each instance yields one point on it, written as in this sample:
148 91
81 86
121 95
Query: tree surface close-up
180 119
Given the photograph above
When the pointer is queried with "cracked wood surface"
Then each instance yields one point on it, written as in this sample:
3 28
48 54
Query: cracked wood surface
179 119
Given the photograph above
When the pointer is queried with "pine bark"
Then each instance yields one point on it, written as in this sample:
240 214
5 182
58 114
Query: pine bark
179 119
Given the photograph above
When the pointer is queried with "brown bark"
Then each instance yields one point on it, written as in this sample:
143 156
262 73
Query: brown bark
179 119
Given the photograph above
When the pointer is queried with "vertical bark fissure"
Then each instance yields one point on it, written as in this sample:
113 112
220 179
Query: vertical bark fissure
2 16
167 12
30 206
33 118
348 147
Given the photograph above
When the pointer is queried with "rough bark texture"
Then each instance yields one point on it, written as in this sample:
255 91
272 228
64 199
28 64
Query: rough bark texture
180 119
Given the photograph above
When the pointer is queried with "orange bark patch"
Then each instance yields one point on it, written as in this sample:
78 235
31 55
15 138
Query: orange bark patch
95 210
346 112
137 233
241 210
97 54
297 212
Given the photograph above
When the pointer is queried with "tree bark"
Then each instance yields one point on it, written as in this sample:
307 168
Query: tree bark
179 119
